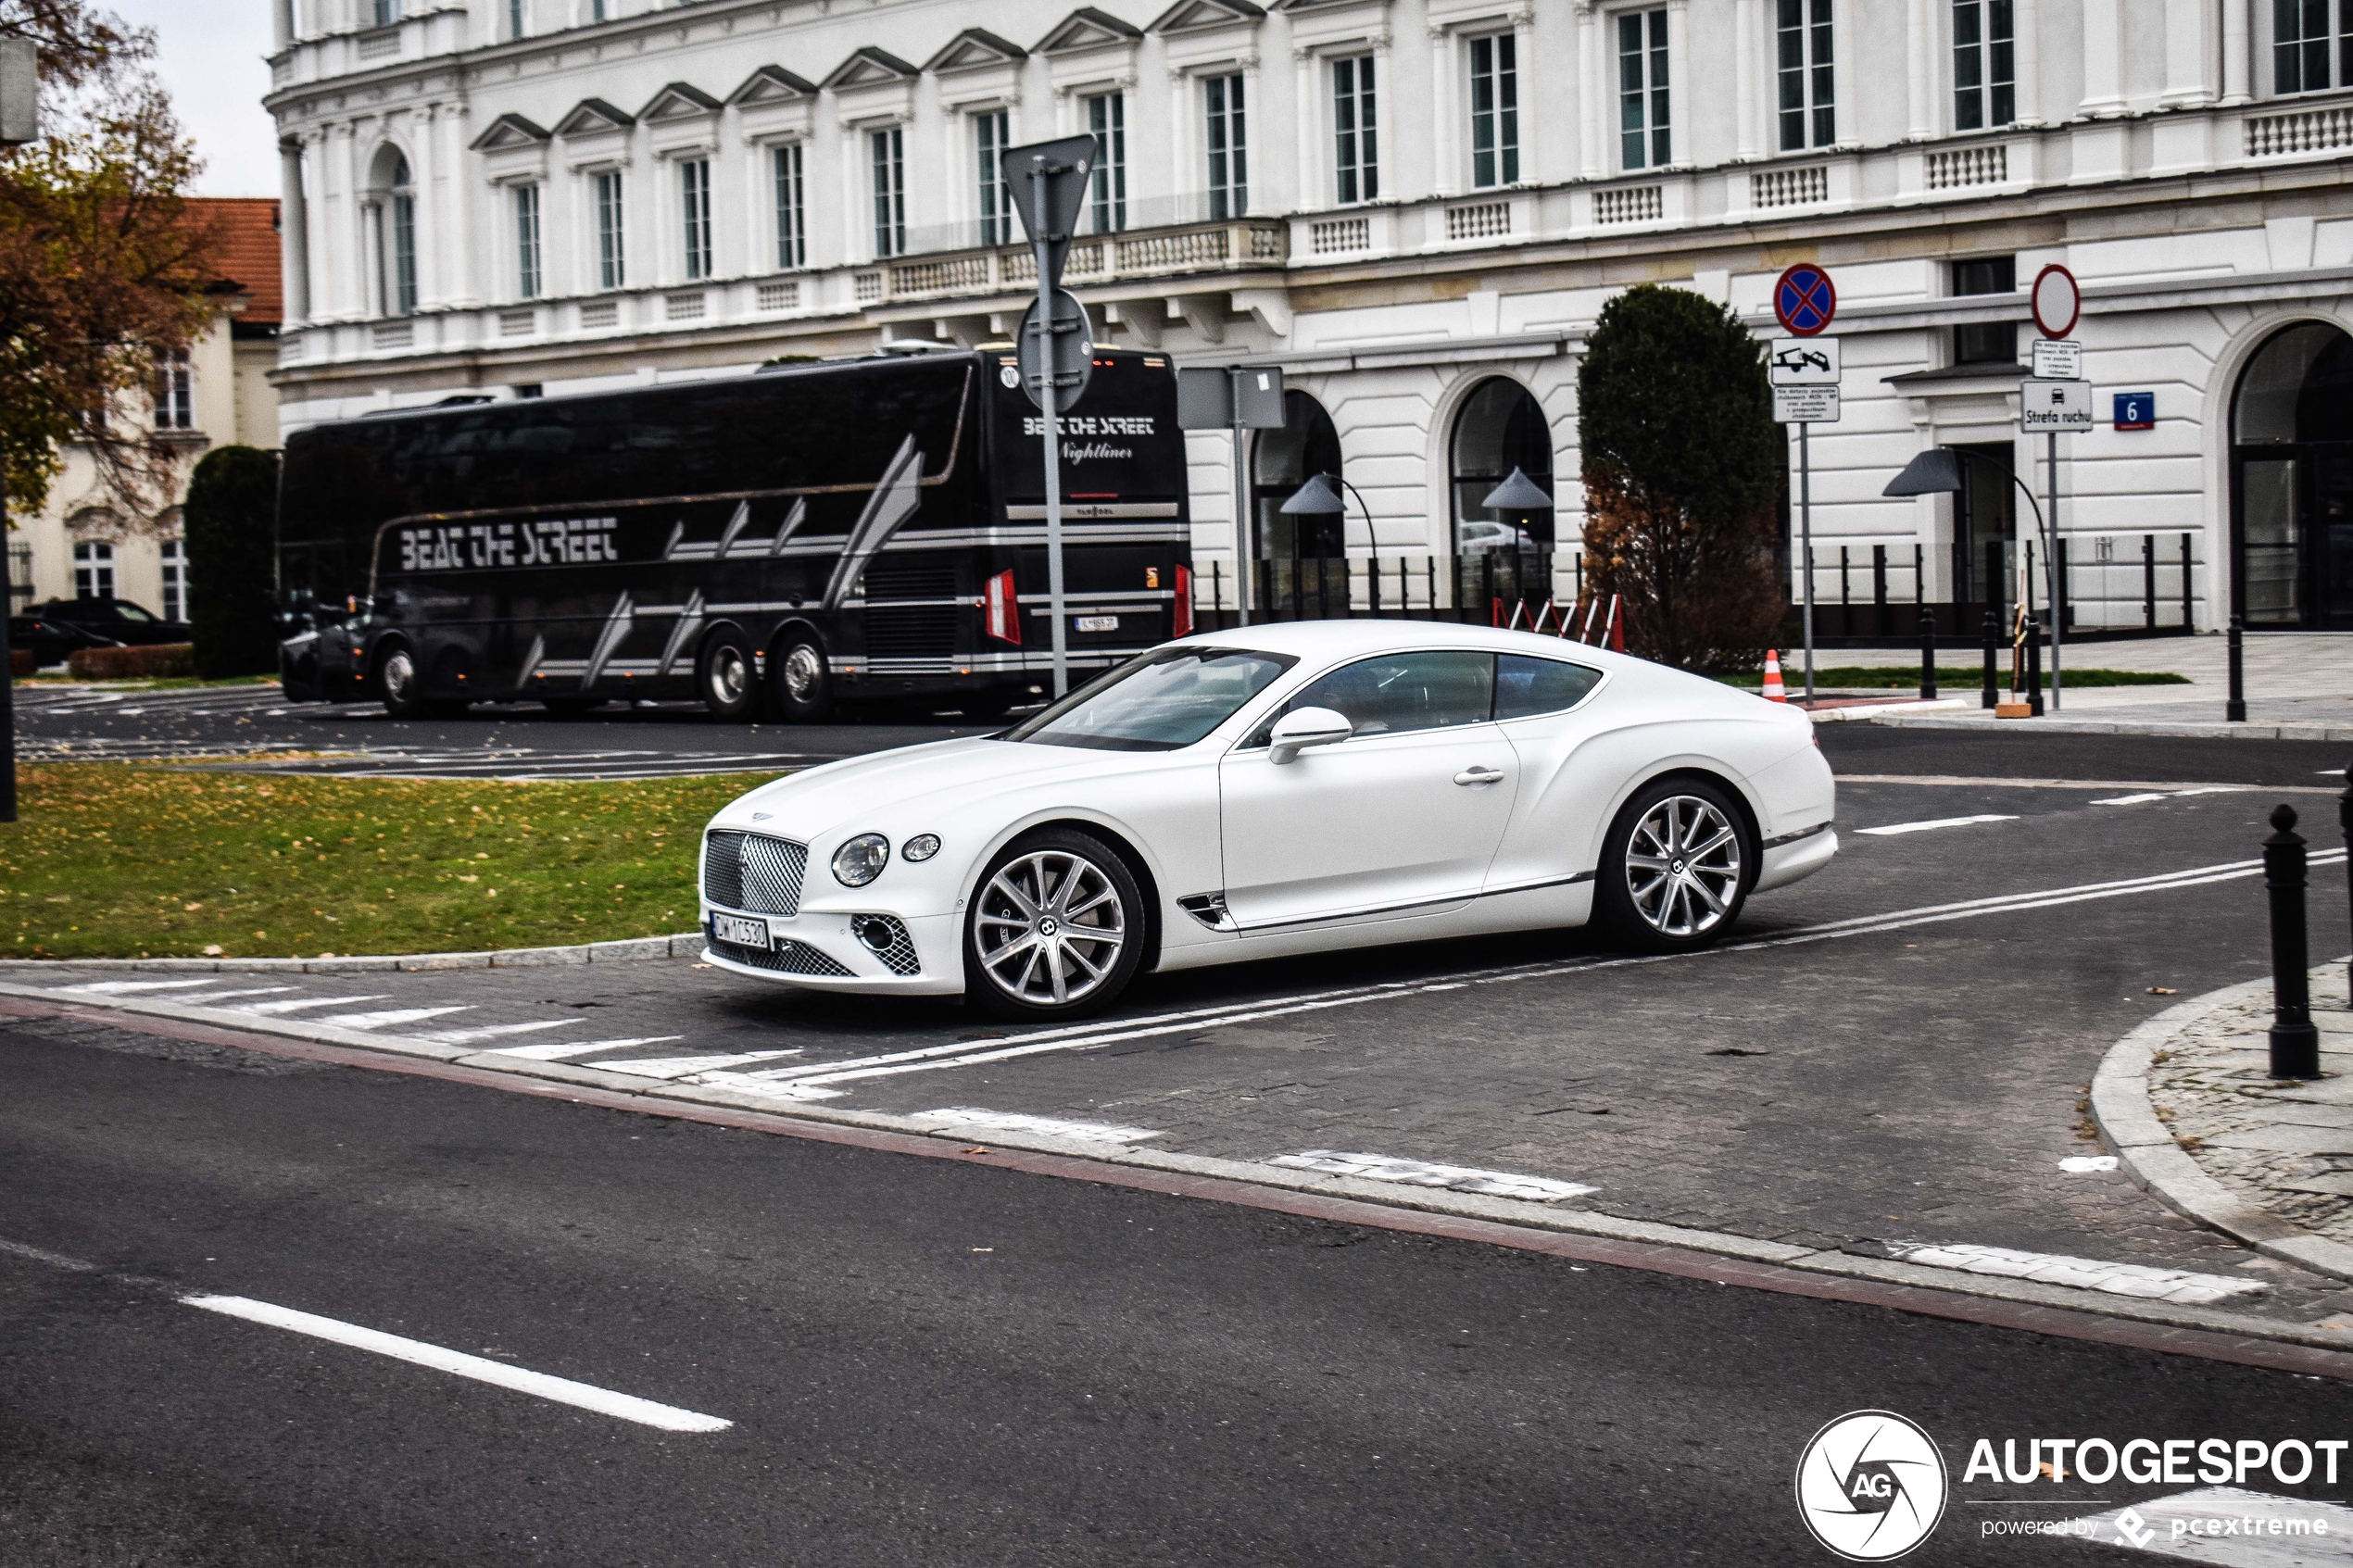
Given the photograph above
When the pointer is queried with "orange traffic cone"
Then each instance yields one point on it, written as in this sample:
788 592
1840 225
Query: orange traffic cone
1774 690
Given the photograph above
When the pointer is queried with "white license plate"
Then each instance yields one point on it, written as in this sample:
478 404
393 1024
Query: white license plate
741 932
1099 623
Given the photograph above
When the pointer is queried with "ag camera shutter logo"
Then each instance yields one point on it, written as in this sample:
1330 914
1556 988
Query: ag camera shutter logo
1870 1486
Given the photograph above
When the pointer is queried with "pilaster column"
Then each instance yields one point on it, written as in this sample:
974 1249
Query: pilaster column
1751 132
462 189
1594 90
2026 58
293 233
1921 49
2103 59
2237 72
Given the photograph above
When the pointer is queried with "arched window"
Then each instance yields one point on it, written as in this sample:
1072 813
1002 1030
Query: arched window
1501 428
1282 460
2292 481
391 218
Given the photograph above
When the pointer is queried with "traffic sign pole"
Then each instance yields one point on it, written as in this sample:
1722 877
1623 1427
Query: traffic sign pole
1050 404
1805 302
1805 535
2050 563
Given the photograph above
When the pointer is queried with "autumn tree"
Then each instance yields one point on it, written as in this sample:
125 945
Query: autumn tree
102 264
1682 466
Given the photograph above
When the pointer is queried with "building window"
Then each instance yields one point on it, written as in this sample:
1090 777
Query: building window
1985 342
612 260
2303 43
1494 99
792 225
1107 119
175 581
694 199
1984 91
527 274
1228 147
890 152
93 571
514 18
596 10
1355 130
403 243
1645 133
175 391
991 134
19 578
388 12
1808 117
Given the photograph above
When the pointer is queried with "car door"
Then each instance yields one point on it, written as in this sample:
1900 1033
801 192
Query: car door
1401 818
1571 769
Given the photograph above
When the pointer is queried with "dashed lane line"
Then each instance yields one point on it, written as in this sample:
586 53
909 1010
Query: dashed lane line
1931 826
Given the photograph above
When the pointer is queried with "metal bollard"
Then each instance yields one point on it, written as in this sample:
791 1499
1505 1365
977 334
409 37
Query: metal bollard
2033 667
1992 697
1928 655
2296 1044
2234 710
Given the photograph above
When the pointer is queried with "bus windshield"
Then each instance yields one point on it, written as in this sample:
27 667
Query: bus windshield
1166 699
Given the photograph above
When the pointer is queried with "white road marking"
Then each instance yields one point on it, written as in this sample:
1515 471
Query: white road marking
979 1119
2084 1273
686 1066
272 1009
563 1390
2228 1524
2087 1164
2171 795
123 987
808 1083
2133 799
1420 1173
206 998
388 1017
489 1031
1893 828
580 1048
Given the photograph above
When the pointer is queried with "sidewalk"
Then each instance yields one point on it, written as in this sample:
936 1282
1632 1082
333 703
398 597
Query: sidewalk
2189 1105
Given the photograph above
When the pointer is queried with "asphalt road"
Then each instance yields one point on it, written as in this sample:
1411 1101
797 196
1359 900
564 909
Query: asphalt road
922 1361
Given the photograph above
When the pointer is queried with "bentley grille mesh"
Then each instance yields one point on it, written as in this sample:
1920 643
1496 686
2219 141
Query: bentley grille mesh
753 872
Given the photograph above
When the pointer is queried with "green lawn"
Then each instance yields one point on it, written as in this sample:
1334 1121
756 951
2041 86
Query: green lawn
111 860
1900 677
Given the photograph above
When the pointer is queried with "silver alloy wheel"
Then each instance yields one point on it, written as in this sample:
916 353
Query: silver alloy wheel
729 676
1684 866
1050 928
804 668
399 674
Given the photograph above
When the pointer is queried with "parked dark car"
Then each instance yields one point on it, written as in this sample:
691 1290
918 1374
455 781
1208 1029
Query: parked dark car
54 630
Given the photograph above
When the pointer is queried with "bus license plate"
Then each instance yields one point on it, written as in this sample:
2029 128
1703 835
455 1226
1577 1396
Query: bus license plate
1099 623
741 932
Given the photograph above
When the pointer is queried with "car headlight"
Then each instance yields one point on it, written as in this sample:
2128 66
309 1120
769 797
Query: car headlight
861 860
922 846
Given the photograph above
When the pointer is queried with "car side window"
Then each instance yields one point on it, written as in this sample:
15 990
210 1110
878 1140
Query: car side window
1526 688
1399 692
130 612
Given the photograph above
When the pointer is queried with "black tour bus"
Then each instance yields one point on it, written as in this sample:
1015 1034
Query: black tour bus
805 535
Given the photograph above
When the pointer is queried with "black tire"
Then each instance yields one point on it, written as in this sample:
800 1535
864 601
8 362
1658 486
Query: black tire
401 684
1053 868
1662 898
800 681
727 677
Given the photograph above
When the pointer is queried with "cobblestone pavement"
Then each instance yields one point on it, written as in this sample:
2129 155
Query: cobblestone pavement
1868 1068
2285 1146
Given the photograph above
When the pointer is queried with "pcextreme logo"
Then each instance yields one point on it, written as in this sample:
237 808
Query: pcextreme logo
1870 1486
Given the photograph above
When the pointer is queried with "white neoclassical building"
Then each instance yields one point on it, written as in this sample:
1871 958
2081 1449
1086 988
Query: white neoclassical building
1416 208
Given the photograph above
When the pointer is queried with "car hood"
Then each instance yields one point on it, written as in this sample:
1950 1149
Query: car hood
886 790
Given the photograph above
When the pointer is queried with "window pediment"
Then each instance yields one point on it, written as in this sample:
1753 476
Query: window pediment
974 48
507 133
870 67
678 101
1085 28
594 117
1200 15
771 84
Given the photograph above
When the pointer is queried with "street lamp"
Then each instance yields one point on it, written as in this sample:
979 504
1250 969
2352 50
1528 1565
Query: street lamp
19 123
1937 472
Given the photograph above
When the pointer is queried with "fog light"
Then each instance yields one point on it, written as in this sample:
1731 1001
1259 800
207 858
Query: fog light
922 846
875 932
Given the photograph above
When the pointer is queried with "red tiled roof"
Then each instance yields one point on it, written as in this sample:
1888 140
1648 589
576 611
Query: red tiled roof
247 251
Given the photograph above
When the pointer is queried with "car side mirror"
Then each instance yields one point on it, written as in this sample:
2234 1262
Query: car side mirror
1304 727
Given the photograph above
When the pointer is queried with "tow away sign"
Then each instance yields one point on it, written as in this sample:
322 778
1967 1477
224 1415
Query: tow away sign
2055 405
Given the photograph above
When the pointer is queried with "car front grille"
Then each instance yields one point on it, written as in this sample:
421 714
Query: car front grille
790 957
753 872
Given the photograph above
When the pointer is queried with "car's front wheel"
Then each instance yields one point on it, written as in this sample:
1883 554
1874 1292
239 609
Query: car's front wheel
728 678
1675 868
1056 930
402 685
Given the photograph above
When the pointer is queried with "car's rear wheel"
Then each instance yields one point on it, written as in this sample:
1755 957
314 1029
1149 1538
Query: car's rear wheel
804 685
1056 930
402 685
1675 868
728 678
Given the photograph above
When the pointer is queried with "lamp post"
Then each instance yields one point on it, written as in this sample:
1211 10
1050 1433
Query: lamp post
1521 495
19 123
1937 472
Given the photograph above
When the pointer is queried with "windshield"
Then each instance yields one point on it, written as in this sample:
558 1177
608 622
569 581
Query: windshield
1165 699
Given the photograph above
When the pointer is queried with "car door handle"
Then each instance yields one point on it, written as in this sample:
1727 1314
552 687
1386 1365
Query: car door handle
1478 775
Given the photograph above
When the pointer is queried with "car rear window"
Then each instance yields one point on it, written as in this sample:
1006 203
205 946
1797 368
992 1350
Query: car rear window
1526 688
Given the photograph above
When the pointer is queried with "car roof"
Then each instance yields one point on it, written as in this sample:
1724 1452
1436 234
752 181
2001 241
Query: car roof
1339 639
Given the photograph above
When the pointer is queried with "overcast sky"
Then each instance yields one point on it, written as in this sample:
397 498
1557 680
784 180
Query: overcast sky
212 57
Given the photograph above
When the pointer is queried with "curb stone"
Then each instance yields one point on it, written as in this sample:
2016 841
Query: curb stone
2147 1153
1514 1212
684 944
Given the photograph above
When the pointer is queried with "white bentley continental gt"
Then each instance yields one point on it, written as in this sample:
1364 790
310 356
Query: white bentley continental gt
1269 791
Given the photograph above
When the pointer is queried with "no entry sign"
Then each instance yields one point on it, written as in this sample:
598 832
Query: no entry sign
2057 301
1804 301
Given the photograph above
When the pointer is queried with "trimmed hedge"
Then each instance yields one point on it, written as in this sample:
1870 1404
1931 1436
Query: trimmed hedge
156 661
232 521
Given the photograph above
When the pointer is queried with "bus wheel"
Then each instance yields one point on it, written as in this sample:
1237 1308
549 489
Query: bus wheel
804 688
727 677
403 688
